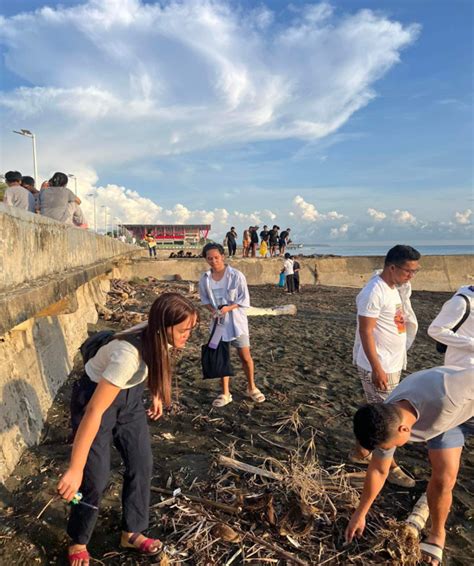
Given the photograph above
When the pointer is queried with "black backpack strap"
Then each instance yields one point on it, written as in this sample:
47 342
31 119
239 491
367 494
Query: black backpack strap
466 313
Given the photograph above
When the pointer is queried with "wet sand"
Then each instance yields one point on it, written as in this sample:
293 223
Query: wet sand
301 361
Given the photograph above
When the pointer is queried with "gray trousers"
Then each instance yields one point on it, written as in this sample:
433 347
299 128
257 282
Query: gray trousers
125 424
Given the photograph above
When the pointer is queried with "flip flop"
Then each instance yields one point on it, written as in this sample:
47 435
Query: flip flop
256 395
222 400
145 545
81 555
432 550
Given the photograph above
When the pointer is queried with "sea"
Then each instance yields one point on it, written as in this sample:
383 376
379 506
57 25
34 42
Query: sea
378 250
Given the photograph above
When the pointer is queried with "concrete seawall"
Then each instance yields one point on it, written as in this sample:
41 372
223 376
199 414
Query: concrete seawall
53 277
438 273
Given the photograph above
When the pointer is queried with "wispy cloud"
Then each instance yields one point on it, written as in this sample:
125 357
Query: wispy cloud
158 79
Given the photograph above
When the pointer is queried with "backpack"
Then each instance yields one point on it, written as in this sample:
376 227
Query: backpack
441 348
92 345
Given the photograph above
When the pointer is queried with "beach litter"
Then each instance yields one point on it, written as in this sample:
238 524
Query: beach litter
281 512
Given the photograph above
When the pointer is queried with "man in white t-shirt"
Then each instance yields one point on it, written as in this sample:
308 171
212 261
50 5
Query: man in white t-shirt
381 343
460 344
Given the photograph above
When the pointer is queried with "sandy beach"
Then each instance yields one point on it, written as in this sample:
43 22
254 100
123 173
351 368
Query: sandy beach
303 363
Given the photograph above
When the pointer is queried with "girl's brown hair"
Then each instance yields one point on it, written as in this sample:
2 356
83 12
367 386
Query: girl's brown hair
168 310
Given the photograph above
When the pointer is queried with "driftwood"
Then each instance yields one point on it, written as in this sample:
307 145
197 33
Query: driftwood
202 500
272 311
242 467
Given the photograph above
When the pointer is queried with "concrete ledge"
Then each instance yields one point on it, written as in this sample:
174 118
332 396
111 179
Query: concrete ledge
438 273
48 296
33 247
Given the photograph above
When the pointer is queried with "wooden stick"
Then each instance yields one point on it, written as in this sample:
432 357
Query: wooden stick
203 501
292 559
242 467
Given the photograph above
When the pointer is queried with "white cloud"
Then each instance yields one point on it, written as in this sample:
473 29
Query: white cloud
121 79
404 217
305 210
333 215
341 231
376 215
463 217
308 212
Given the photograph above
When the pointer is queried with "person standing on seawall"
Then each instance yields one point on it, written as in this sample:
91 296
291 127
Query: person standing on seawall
223 290
384 315
246 242
460 344
107 407
231 238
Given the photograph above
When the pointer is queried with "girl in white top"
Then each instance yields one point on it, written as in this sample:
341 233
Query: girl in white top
225 293
106 407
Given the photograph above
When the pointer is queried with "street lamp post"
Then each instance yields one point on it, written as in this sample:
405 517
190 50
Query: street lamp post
31 135
72 176
105 218
94 196
118 226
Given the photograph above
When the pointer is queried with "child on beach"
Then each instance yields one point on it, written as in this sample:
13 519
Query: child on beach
106 407
223 290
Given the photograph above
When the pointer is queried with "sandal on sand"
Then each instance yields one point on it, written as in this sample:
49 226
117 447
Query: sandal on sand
434 551
398 477
222 400
256 395
363 460
81 555
145 547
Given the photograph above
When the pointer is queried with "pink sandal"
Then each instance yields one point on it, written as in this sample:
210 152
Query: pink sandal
145 546
82 555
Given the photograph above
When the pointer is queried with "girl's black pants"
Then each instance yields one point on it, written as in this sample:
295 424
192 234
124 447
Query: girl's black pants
125 425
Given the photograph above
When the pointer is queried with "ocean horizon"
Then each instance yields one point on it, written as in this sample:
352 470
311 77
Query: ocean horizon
378 250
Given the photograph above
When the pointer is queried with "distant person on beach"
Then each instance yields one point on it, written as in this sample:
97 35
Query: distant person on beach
107 407
231 238
435 406
223 290
246 242
273 240
16 195
288 270
296 275
283 240
55 199
151 243
384 317
460 343
264 237
253 241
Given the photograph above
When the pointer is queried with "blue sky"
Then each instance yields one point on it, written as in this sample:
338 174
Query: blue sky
349 120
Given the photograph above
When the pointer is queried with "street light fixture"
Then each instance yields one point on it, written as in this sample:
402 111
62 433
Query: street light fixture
94 196
72 176
31 135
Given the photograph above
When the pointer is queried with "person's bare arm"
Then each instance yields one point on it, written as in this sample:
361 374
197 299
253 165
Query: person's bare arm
374 481
366 331
103 397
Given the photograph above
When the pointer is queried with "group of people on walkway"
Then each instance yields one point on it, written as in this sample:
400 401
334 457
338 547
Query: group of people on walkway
266 243
432 405
53 200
